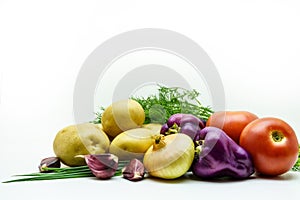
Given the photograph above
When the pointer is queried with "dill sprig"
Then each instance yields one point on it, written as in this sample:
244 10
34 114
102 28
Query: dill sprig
98 115
169 100
172 100
296 166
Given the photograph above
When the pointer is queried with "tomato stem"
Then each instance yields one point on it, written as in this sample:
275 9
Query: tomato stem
277 136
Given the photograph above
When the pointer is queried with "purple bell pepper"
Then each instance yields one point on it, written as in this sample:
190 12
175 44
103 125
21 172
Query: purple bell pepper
183 123
218 156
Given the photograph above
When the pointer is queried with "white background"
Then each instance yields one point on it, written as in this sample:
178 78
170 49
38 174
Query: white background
254 44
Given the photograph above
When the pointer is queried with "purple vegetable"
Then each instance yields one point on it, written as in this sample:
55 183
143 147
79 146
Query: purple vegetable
203 122
175 119
103 166
164 129
134 171
182 123
217 156
49 162
189 129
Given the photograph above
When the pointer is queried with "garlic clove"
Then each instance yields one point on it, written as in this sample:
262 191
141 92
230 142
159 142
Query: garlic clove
50 162
134 171
103 166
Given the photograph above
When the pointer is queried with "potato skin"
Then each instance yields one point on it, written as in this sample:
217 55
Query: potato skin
79 139
153 127
121 116
132 143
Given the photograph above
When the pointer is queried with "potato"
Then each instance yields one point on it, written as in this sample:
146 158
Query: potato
121 116
153 127
80 139
132 143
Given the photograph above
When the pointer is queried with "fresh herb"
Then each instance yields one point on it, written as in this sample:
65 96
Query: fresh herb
63 173
169 100
296 167
98 114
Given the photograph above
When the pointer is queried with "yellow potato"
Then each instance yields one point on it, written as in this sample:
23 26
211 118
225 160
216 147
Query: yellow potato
132 143
121 116
153 127
80 139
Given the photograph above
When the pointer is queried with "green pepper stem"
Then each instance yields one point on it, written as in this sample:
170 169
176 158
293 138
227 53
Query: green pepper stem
173 130
199 145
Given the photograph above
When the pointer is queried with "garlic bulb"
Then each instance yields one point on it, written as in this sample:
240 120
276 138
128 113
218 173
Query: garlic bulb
103 166
134 170
170 156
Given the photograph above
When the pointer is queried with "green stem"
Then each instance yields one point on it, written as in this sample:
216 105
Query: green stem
64 173
52 177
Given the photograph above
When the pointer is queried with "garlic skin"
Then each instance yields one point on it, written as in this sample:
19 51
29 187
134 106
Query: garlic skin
134 171
103 166
170 156
52 162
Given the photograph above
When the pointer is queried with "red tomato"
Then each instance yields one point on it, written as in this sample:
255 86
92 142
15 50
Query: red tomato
273 145
231 122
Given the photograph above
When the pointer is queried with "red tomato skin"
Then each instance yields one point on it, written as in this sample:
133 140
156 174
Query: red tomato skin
231 122
270 158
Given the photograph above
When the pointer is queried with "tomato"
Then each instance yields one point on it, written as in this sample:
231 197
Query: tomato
273 145
231 122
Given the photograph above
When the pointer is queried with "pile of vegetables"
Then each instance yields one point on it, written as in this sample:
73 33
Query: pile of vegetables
168 135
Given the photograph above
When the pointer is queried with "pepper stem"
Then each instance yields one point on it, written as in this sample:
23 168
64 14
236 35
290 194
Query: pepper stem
199 145
173 129
158 142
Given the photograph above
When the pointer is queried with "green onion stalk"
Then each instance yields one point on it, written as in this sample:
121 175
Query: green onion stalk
63 173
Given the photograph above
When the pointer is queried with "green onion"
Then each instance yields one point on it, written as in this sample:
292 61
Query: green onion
63 173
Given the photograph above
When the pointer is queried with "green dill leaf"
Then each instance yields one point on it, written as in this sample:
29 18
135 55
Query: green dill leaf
98 115
296 166
169 100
